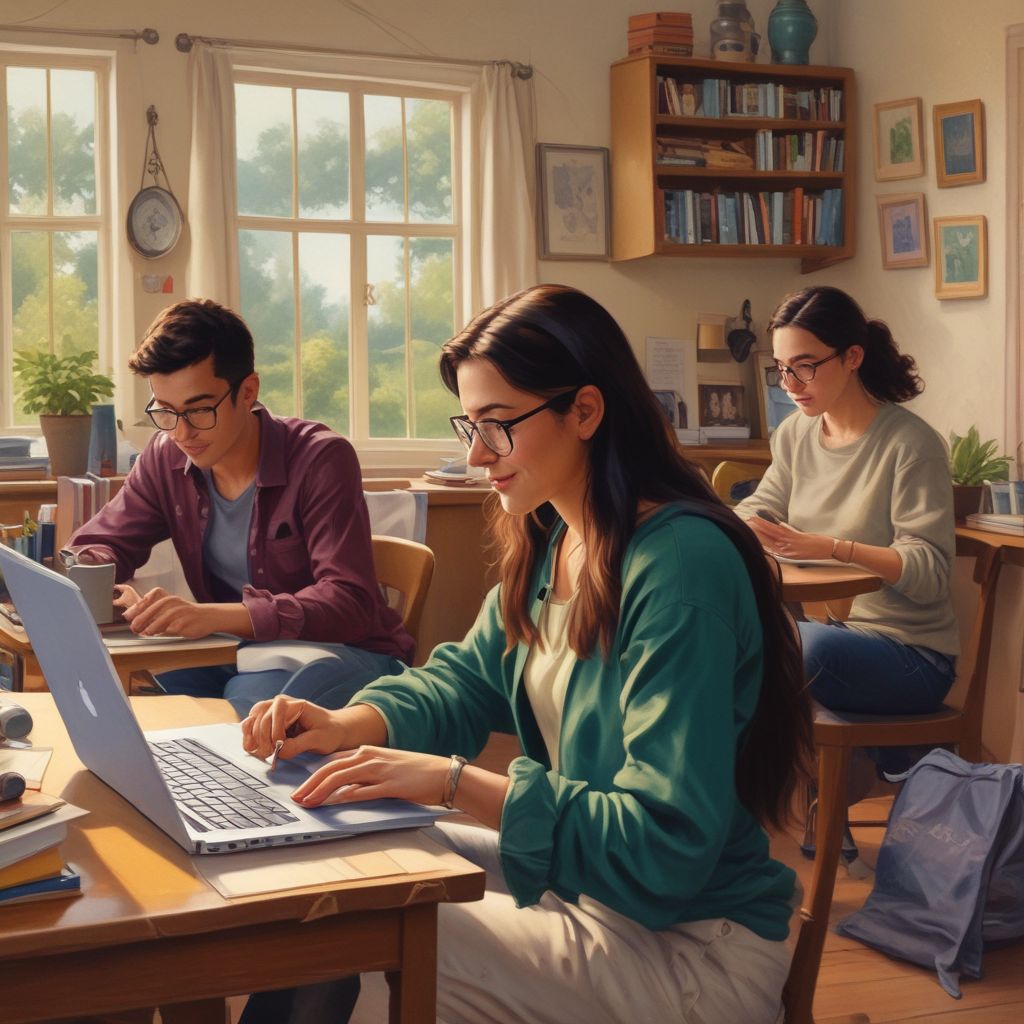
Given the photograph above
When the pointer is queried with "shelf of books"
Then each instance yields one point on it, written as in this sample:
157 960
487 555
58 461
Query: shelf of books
732 159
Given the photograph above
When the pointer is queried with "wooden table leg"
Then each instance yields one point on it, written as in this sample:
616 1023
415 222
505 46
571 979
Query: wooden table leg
414 987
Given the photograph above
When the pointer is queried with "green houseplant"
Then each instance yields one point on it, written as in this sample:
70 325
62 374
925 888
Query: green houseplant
62 389
971 463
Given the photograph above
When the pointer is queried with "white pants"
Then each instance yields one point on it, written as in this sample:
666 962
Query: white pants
583 963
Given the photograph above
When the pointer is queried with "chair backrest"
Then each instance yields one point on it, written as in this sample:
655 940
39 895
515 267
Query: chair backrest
731 472
407 567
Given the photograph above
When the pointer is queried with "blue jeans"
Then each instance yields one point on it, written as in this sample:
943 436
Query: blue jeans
873 674
329 682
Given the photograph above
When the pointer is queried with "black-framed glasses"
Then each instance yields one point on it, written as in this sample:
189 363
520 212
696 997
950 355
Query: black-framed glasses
802 372
202 417
497 434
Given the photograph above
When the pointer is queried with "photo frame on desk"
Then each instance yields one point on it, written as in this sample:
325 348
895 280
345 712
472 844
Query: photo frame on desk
899 152
573 202
961 257
773 400
722 404
959 143
903 228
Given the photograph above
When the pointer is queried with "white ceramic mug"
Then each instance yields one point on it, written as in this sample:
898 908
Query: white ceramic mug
96 582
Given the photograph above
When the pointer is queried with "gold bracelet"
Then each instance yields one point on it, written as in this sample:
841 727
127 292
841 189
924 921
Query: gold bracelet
849 553
451 783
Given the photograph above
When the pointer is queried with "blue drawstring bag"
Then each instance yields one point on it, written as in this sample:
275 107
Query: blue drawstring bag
950 873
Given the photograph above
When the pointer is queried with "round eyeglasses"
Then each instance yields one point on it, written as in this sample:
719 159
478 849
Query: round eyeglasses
803 373
496 434
202 417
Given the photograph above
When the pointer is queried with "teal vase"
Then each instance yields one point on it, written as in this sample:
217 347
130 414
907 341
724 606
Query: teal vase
791 30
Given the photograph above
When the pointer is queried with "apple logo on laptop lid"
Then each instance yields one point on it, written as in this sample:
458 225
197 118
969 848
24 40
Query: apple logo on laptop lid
86 699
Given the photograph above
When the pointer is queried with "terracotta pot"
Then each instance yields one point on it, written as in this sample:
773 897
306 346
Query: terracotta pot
966 499
67 443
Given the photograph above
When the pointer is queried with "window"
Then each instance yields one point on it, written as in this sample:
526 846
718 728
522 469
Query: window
349 249
54 219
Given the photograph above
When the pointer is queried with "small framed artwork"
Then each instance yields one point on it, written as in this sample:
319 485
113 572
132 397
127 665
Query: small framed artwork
775 403
959 143
904 230
573 205
722 405
673 406
899 152
961 258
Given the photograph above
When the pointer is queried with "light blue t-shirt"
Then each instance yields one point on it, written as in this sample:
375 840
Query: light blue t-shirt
225 546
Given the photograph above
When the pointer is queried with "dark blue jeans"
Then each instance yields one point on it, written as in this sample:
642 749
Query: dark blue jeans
870 673
330 682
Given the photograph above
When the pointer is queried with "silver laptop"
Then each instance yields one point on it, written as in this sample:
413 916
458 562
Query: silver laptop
197 784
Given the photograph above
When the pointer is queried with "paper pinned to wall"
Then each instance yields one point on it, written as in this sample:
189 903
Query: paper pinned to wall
671 367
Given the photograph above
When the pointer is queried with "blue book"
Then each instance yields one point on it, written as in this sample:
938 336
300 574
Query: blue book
67 883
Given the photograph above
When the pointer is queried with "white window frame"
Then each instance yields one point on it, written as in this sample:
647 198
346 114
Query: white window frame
100 222
381 452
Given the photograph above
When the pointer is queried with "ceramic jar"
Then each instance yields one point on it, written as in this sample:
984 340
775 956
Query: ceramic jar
791 30
732 33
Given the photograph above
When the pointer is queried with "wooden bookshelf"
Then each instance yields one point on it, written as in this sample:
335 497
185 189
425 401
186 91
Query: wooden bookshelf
640 182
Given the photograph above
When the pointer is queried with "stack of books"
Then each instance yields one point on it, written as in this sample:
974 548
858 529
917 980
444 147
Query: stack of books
996 522
79 498
704 153
31 863
669 33
18 462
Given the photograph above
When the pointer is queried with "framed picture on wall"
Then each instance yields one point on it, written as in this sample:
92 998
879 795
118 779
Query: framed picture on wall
961 257
904 230
573 202
899 152
959 143
722 404
775 403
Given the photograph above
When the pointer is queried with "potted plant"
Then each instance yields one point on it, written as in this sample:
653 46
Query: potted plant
971 463
62 389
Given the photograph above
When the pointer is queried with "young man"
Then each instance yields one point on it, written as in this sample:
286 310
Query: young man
267 516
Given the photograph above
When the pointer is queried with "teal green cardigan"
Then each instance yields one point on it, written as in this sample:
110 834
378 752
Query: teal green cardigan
642 814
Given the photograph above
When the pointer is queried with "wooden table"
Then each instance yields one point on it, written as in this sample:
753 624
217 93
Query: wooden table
155 656
148 930
1012 545
826 582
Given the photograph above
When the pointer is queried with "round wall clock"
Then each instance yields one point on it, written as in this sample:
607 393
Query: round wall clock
154 222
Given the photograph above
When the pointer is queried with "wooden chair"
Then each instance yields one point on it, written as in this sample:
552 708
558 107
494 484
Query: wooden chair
407 567
835 736
732 472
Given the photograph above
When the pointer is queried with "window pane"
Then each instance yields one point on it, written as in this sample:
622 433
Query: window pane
323 153
263 137
430 283
26 135
385 324
73 136
324 283
76 325
30 290
429 131
385 168
268 305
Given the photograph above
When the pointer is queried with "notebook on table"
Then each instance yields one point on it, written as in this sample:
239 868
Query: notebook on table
195 783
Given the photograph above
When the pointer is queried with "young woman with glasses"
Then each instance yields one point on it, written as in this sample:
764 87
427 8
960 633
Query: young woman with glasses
858 478
638 648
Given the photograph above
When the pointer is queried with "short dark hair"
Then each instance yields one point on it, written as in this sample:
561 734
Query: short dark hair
189 332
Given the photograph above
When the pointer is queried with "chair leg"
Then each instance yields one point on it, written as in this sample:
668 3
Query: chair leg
833 775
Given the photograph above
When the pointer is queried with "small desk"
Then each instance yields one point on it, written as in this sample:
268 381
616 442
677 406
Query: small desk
156 657
149 931
825 582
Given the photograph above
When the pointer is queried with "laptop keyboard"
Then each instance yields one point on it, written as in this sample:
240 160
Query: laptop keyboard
215 790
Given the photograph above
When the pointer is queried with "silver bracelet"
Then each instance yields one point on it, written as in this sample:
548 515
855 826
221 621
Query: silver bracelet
451 783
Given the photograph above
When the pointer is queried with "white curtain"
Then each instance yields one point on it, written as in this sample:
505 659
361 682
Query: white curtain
213 259
502 243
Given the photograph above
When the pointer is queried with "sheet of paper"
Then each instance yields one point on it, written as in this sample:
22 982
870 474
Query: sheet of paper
31 763
295 867
670 364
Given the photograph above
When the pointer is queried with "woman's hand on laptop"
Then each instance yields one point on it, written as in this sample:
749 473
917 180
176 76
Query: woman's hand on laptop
308 727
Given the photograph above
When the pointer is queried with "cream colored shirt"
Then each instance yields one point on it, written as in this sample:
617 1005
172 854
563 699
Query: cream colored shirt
547 671
890 488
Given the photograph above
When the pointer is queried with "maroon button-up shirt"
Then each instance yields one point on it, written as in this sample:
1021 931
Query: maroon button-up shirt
310 556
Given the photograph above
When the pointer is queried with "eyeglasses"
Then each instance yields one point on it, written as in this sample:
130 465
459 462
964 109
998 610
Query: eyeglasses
203 417
496 434
802 372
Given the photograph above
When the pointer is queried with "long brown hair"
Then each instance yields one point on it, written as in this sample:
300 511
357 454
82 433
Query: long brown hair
837 321
548 340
